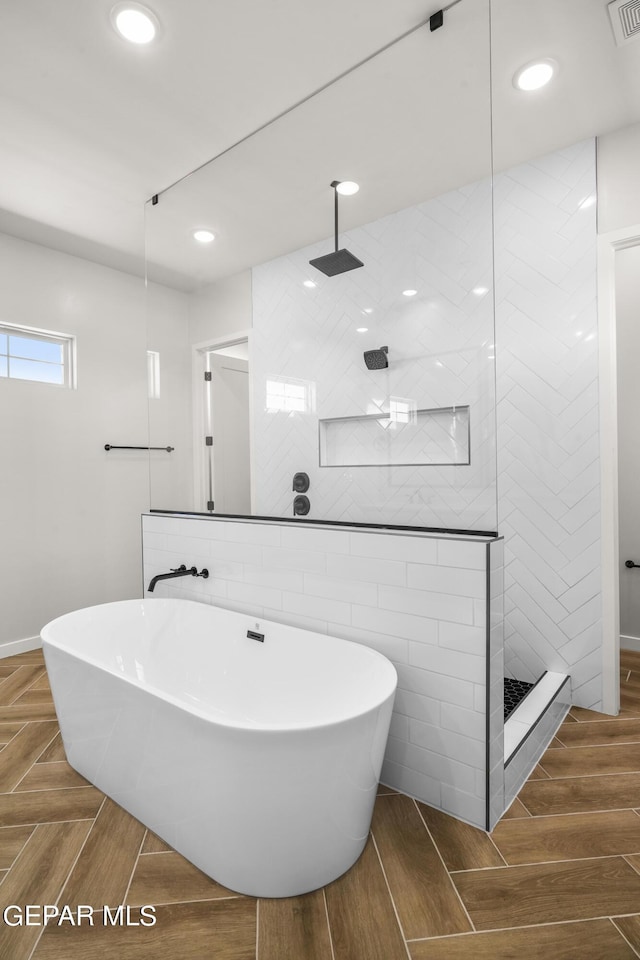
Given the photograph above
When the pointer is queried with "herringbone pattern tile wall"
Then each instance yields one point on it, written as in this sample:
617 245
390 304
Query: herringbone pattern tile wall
548 442
440 355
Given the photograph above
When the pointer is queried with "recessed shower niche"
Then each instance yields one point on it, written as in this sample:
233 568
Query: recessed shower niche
400 436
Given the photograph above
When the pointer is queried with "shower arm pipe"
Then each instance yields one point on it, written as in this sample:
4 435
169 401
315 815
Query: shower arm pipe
111 446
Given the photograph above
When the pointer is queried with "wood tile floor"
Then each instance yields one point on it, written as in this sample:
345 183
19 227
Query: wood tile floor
560 873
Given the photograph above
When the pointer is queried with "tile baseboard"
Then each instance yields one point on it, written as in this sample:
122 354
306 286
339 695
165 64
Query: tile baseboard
13 647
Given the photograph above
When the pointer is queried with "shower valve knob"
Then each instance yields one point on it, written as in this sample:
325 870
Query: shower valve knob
301 506
301 482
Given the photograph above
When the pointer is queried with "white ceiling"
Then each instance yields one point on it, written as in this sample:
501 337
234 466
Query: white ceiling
91 127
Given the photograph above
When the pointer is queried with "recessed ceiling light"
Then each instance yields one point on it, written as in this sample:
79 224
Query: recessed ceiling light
409 293
480 291
309 283
361 329
135 22
534 75
203 236
368 310
347 187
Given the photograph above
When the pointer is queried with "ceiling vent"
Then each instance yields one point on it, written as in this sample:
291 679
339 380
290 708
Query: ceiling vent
625 20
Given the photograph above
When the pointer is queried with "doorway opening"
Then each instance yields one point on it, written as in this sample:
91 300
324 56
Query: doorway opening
223 428
618 345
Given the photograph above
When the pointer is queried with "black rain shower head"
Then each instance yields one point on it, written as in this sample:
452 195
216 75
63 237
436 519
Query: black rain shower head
339 261
376 359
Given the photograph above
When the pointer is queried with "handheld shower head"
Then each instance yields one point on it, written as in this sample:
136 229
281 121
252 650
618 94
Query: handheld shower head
376 359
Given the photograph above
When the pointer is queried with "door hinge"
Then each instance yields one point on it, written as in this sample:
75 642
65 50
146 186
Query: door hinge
207 374
209 504
208 441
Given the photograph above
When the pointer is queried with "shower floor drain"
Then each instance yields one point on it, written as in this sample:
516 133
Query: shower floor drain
514 692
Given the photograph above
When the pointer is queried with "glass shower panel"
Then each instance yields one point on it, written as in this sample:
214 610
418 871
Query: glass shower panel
412 126
556 383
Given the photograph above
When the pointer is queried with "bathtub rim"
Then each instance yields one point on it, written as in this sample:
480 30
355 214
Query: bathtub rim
202 714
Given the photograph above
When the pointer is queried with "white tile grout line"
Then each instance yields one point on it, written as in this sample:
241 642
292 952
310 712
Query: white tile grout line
35 720
571 813
624 937
632 865
604 743
524 926
547 863
24 724
584 776
170 903
393 903
71 869
80 786
33 827
446 869
258 928
135 867
27 772
497 848
28 687
326 910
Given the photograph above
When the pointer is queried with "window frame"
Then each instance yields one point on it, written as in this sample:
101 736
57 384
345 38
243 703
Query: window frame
65 340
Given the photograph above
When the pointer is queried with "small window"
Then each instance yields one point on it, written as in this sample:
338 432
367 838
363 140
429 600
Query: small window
30 354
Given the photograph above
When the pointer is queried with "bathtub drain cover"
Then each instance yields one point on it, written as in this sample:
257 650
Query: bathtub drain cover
514 692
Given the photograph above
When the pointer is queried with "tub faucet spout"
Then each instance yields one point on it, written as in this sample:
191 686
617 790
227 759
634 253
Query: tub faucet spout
181 571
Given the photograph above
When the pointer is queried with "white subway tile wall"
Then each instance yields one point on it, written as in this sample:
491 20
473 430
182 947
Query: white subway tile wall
495 726
397 593
440 355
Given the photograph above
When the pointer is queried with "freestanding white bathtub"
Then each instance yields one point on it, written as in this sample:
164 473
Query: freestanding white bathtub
257 760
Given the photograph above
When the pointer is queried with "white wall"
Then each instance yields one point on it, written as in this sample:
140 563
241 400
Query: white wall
628 341
618 180
221 309
619 208
170 415
69 511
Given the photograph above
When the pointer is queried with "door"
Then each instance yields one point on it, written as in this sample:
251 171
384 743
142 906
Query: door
628 337
228 439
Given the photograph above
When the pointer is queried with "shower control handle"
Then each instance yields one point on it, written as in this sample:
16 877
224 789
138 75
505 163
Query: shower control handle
301 506
630 564
301 482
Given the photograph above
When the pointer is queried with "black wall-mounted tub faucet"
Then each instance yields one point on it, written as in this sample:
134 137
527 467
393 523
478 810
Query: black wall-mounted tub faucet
181 571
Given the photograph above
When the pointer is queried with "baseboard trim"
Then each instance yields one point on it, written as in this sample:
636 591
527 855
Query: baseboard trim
629 643
13 647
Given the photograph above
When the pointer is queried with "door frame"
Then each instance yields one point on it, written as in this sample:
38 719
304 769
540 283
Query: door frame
199 353
608 245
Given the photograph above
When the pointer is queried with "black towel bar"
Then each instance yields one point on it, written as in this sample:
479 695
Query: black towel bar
110 446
